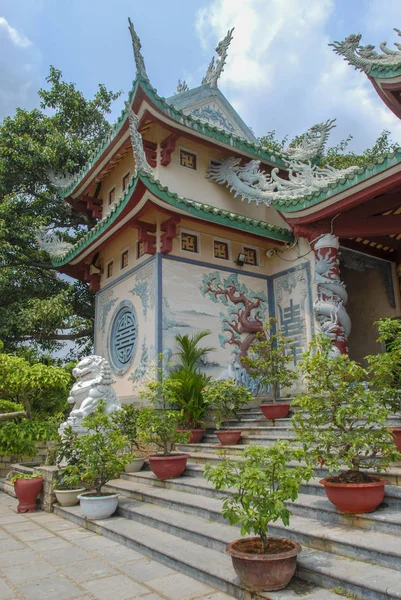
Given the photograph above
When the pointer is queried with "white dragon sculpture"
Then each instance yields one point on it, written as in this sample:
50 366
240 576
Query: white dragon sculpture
93 383
215 69
312 142
365 58
51 243
141 164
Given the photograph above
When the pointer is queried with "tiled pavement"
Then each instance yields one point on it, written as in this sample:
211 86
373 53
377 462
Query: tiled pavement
44 557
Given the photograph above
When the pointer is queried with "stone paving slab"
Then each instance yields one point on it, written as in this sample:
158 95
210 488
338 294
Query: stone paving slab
44 557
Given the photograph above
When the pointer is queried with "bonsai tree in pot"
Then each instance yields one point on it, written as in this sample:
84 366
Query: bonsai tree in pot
385 368
268 359
258 488
341 422
157 426
126 422
100 455
27 488
192 380
227 398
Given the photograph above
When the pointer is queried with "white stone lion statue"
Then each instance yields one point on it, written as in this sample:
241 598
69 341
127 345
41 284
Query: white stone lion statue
93 383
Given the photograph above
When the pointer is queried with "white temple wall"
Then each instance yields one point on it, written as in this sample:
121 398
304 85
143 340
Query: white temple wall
115 180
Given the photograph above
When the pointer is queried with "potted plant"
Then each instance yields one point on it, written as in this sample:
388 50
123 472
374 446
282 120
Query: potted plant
268 359
258 488
27 488
342 422
157 426
68 486
100 455
189 399
227 398
126 422
385 368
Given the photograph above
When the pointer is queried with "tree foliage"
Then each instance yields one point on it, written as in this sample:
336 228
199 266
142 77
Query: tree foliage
36 304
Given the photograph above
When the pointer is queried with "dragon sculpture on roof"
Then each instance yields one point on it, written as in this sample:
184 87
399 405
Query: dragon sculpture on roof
304 178
51 243
365 58
141 164
136 46
215 69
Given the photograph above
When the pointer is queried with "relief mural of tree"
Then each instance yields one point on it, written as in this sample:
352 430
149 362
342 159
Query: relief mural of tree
246 310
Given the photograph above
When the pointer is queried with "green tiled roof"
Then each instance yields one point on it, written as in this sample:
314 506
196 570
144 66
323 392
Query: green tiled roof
344 183
179 116
197 209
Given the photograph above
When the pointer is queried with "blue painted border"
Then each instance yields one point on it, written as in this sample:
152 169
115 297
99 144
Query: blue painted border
95 321
127 274
159 306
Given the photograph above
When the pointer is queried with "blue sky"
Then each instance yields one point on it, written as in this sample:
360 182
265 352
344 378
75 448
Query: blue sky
280 73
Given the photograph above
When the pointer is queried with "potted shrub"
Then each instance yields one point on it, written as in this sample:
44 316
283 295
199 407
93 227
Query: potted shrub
27 488
385 368
157 426
258 488
342 422
268 359
192 380
101 456
68 486
126 422
227 398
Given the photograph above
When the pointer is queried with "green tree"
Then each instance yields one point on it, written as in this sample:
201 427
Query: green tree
37 306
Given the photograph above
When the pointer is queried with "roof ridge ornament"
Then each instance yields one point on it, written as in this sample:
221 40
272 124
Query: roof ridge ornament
182 87
304 177
136 45
141 164
51 243
365 58
215 69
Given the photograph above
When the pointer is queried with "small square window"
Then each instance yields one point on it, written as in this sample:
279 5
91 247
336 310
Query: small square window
188 159
251 256
220 249
124 259
141 249
125 181
189 242
109 269
112 196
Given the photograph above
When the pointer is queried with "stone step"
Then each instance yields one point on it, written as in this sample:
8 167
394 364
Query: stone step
251 440
269 430
205 564
193 517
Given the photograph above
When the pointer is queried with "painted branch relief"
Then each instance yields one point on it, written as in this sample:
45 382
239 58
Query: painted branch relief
145 287
106 303
145 368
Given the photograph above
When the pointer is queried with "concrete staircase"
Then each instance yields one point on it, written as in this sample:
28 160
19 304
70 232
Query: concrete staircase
178 522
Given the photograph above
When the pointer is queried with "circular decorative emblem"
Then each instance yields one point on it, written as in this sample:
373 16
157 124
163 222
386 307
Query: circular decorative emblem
123 337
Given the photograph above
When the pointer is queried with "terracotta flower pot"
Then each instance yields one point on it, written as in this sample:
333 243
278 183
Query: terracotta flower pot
27 490
230 437
355 498
275 411
195 435
266 572
168 467
396 431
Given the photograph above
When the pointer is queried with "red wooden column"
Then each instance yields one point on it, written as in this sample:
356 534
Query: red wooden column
331 300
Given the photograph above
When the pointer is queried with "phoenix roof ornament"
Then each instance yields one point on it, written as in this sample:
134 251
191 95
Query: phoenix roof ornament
136 45
365 58
215 69
141 164
312 142
182 86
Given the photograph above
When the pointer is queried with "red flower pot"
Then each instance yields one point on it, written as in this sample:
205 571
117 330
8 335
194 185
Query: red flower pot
264 571
27 490
230 437
396 431
355 498
275 411
167 467
195 435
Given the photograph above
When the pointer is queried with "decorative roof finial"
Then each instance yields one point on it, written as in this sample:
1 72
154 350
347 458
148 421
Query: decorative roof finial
182 87
312 143
365 58
136 45
214 70
141 164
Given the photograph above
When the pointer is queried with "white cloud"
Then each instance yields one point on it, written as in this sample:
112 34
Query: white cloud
17 38
281 73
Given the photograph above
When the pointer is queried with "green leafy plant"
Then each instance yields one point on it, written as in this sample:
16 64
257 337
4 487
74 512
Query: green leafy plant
20 438
341 420
68 478
99 453
269 356
259 486
8 406
157 424
17 476
192 380
227 398
125 421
